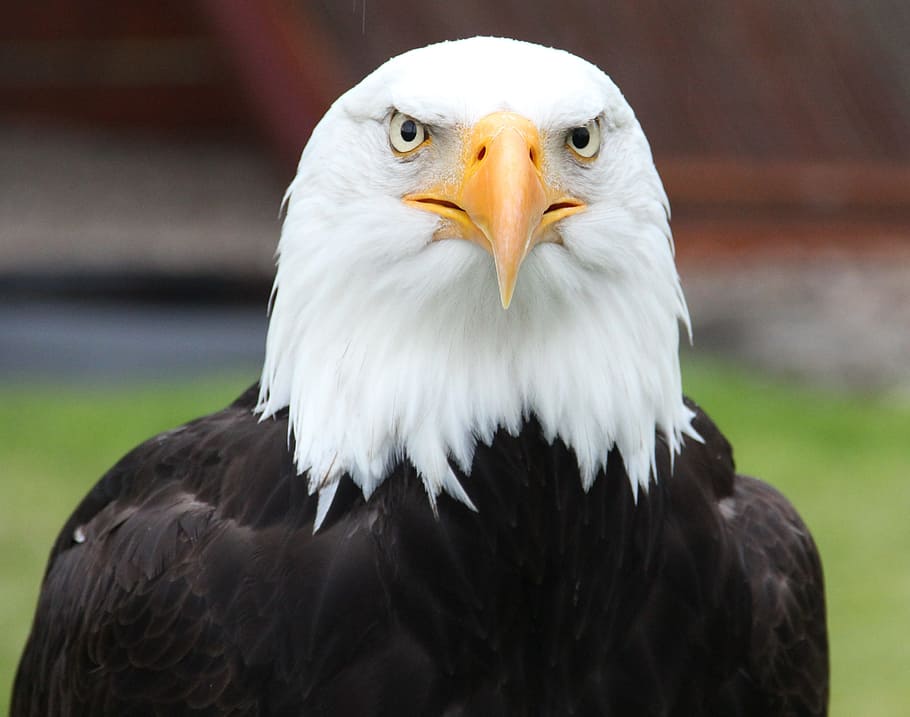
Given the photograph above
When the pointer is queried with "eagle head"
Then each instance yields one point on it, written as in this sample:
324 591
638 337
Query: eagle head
476 234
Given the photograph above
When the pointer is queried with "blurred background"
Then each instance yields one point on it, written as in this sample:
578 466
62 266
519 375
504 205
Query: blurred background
145 147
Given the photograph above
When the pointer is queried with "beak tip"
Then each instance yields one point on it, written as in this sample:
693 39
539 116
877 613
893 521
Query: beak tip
505 295
506 278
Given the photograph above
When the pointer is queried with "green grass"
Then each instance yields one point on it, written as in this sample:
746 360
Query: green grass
844 462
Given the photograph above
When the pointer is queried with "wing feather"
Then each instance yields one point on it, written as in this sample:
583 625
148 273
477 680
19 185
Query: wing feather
789 649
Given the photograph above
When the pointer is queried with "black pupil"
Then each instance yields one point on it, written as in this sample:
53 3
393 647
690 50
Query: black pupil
409 130
580 137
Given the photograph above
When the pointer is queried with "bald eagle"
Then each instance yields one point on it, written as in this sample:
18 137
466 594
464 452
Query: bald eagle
467 482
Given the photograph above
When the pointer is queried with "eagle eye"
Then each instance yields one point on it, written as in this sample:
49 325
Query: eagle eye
405 133
584 141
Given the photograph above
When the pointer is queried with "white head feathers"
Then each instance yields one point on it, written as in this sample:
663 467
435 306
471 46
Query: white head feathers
385 344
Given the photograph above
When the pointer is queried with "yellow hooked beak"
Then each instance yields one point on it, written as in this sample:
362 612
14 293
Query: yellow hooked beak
501 200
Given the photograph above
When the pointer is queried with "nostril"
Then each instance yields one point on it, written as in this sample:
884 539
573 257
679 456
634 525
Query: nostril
482 153
532 155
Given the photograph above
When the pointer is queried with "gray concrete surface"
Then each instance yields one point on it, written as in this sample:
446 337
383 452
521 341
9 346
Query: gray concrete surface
74 200
840 323
88 342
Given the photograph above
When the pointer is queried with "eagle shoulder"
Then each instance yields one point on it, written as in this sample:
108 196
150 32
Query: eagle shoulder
786 662
182 577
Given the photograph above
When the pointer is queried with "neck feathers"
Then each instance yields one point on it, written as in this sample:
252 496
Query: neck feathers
375 371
